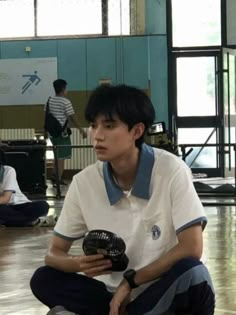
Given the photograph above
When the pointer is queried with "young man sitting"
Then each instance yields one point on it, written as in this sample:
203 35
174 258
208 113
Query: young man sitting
146 196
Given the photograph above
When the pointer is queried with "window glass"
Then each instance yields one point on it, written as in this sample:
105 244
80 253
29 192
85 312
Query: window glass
13 23
196 22
199 157
62 18
196 86
69 17
119 17
232 85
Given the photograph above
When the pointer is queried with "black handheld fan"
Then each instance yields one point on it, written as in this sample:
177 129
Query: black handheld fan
109 244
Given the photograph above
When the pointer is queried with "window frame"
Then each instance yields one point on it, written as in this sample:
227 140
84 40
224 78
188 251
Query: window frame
198 46
176 122
133 4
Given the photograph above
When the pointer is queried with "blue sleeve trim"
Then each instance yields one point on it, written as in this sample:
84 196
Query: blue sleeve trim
202 220
67 238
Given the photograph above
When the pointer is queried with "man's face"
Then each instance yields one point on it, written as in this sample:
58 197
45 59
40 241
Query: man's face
111 138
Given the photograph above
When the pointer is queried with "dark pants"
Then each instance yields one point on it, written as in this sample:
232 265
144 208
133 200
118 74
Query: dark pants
186 287
23 214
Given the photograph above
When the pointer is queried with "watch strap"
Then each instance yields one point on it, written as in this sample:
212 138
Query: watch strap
129 276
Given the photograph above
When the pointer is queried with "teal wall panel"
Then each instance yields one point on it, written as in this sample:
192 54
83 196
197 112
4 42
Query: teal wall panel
158 76
140 61
135 61
101 61
42 48
39 49
12 49
119 60
155 16
72 63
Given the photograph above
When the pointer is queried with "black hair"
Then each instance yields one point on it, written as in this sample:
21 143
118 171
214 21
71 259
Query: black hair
2 157
59 85
130 104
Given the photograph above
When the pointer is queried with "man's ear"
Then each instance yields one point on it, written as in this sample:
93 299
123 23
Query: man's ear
138 130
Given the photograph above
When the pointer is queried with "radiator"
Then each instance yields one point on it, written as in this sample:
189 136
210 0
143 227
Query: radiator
17 134
81 157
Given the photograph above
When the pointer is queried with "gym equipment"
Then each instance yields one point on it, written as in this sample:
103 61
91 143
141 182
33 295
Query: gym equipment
157 136
28 159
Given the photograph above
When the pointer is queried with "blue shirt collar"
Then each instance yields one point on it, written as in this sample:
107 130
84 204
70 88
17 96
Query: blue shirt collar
142 180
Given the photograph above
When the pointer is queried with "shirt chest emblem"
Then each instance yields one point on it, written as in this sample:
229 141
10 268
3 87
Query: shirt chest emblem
156 232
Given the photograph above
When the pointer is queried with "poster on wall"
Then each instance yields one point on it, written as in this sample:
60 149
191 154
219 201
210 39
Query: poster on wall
27 81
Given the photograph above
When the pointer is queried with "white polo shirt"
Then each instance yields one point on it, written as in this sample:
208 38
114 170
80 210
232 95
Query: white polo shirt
10 183
162 203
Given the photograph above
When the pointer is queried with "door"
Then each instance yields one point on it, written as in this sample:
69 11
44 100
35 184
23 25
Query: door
229 71
197 115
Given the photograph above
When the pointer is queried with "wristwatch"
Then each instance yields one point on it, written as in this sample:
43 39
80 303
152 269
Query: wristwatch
129 276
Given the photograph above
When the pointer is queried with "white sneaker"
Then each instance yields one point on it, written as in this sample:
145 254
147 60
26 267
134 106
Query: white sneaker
60 310
48 221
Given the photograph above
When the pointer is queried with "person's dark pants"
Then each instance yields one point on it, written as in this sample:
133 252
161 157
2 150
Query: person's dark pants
23 214
185 288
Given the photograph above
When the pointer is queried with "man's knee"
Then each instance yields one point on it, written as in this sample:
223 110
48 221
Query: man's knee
40 281
202 299
196 282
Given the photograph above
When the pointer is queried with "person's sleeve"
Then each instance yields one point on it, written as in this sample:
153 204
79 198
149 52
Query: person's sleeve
69 110
9 180
187 208
71 224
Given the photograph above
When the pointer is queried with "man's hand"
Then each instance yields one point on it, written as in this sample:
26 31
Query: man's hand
93 265
74 122
120 299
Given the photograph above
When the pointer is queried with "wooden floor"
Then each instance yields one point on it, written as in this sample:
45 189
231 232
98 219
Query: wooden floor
22 251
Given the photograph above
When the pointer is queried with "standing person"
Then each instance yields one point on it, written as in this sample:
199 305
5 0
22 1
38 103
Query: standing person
62 109
144 195
15 208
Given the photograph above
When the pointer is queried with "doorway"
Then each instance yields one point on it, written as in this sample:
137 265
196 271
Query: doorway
197 116
229 81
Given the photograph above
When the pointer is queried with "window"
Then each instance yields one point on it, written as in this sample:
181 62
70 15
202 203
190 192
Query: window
196 86
196 23
69 17
43 18
197 113
118 17
13 24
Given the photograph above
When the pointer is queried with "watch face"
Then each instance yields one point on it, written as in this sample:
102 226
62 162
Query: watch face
129 276
130 273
